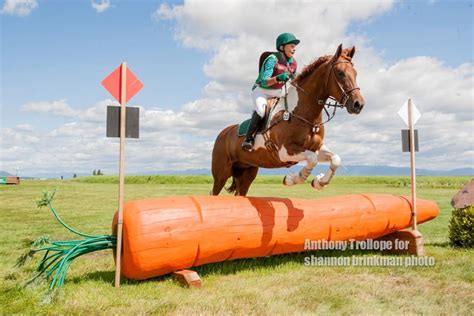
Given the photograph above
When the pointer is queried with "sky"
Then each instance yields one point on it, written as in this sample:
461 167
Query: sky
197 61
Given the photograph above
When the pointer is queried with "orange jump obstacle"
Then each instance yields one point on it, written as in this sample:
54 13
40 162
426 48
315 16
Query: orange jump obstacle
165 235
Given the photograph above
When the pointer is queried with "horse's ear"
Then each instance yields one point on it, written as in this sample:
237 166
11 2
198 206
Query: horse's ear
352 52
338 53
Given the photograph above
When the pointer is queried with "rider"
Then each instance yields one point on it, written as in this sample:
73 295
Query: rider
275 71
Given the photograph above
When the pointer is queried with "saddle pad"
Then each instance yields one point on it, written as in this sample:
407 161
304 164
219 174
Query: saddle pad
243 127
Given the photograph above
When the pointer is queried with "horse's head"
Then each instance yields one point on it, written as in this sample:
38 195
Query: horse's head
342 84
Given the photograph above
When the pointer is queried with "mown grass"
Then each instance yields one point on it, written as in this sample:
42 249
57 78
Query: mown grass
274 285
422 182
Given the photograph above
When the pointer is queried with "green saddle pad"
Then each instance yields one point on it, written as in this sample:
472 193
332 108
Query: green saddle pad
243 127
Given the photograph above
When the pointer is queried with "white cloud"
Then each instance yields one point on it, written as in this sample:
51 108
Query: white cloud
205 24
101 6
235 36
97 113
168 139
59 108
19 7
25 127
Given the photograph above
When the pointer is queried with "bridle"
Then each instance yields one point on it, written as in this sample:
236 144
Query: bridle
345 94
326 103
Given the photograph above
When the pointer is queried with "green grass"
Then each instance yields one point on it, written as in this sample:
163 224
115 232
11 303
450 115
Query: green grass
272 285
422 182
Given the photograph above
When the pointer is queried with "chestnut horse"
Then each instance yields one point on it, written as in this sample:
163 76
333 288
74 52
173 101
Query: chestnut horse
286 142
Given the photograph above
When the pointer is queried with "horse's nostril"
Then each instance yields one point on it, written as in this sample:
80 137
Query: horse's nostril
357 105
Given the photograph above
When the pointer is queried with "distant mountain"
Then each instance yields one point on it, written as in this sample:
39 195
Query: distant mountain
462 172
6 174
343 170
375 171
45 175
187 172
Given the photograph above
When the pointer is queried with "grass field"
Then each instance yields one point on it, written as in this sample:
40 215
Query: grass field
272 285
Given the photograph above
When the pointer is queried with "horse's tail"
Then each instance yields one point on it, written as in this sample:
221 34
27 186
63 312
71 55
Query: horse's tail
236 172
233 187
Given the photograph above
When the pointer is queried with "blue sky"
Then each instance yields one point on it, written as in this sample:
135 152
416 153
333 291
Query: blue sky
442 29
61 50
64 49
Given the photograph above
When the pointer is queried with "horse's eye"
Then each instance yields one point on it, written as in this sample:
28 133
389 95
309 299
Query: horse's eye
341 74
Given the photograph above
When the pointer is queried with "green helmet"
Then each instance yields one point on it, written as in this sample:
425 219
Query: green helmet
286 38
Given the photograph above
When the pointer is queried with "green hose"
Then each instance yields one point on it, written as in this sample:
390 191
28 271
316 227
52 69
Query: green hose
59 255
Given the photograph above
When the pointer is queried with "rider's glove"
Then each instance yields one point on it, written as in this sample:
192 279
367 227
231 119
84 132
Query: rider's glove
283 77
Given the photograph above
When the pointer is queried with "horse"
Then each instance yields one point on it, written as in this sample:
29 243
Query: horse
295 133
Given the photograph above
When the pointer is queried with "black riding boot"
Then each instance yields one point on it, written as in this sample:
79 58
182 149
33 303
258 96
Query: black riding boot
249 137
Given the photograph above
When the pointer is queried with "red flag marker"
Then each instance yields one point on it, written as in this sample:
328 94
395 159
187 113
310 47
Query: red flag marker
112 83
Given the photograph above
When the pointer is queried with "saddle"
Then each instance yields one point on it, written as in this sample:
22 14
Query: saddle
244 126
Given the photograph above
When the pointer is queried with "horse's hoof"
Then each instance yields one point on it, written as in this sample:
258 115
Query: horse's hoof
298 179
289 180
317 185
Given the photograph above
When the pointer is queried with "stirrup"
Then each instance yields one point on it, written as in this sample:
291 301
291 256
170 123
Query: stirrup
247 145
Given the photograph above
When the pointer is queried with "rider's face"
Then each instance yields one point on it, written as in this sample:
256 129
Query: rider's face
289 50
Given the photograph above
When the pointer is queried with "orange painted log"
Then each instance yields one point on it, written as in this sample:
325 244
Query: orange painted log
163 235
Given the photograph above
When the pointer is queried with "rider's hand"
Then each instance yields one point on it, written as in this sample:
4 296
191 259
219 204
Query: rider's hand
283 77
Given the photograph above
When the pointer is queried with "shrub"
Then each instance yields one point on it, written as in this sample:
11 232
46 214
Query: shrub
461 228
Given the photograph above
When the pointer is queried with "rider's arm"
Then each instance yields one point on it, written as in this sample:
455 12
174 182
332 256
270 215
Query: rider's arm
266 79
271 81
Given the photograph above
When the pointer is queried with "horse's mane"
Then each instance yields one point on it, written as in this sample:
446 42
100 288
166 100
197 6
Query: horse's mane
309 69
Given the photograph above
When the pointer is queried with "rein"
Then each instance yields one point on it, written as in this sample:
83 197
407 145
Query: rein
314 127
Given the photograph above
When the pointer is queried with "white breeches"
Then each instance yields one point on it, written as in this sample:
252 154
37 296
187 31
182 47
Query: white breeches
260 97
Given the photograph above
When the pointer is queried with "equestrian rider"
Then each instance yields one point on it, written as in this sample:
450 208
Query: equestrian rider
275 71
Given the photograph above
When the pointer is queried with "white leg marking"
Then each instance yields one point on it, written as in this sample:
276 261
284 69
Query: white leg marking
322 180
297 178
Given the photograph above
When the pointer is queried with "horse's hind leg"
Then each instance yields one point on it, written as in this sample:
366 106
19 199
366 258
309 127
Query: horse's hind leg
220 176
221 164
244 178
221 171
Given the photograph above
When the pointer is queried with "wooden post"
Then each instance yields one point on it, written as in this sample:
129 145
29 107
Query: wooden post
415 237
123 103
412 163
412 236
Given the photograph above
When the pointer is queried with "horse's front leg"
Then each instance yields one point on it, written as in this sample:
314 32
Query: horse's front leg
300 177
322 180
